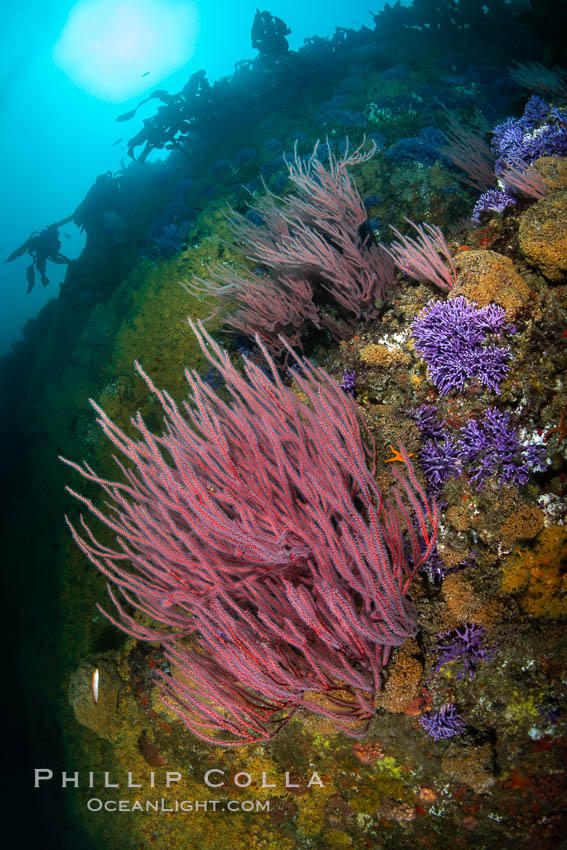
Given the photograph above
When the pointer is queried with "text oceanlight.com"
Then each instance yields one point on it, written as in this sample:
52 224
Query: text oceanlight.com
94 804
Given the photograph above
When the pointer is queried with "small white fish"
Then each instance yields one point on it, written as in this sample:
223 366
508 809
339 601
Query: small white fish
95 685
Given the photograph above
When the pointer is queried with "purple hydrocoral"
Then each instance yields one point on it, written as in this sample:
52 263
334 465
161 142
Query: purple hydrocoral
485 447
494 200
439 460
517 143
168 239
439 457
492 446
451 337
445 723
508 137
348 382
536 112
427 420
465 644
550 140
541 131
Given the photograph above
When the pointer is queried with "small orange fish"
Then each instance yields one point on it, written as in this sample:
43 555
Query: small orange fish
95 685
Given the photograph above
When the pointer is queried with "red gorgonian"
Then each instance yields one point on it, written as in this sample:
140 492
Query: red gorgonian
254 536
314 242
424 257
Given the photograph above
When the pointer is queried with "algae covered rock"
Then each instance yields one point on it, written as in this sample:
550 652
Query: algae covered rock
101 716
472 766
486 276
553 170
403 681
543 235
